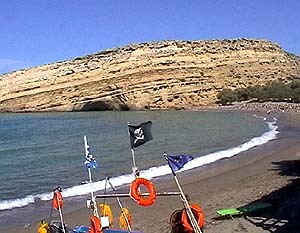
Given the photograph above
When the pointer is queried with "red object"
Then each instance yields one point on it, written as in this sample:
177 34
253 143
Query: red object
137 197
95 225
198 214
57 201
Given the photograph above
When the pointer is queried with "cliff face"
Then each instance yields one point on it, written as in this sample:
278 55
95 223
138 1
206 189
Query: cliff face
158 75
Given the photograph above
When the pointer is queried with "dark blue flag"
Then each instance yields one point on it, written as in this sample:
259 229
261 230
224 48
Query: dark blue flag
176 162
140 134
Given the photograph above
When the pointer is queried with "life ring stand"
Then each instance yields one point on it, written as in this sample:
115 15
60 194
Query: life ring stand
95 225
136 195
198 214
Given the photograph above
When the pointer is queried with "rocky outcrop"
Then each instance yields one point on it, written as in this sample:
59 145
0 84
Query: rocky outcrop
156 75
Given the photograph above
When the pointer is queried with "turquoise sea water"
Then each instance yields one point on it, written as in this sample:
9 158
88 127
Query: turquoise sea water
39 152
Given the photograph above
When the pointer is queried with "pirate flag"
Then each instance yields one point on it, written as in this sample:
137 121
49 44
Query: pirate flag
140 134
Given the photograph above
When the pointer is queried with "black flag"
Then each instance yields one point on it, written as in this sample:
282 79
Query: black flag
140 134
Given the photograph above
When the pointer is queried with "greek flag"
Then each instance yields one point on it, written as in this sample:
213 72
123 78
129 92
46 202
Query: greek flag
90 161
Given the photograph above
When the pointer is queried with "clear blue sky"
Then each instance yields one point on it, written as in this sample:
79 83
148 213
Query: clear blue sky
36 32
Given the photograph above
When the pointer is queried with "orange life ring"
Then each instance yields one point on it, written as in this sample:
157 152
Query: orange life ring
137 197
57 201
199 216
95 225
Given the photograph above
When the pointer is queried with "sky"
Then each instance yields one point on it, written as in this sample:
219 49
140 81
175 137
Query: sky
37 32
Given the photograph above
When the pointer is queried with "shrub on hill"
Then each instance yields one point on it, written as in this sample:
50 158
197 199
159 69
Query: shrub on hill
227 96
273 91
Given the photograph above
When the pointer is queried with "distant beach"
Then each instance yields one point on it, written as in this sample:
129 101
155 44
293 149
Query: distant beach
265 107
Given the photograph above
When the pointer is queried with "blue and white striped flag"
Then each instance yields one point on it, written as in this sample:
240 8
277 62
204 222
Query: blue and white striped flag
90 161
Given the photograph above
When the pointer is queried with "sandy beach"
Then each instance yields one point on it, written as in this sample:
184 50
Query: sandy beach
267 173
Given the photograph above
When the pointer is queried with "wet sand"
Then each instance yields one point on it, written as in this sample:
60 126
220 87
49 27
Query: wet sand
267 173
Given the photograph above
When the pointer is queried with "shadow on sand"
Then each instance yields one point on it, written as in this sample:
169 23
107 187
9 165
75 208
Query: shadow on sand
284 215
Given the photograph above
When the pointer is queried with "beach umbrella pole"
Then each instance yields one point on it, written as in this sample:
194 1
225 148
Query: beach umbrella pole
120 205
187 207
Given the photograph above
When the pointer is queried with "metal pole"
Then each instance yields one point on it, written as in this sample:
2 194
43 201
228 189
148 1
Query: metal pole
94 204
185 202
90 181
120 205
187 207
61 216
114 195
135 169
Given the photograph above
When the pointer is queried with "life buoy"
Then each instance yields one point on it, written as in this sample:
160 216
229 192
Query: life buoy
198 214
57 201
137 197
95 225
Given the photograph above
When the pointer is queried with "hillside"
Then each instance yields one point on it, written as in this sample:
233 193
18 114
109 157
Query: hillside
156 75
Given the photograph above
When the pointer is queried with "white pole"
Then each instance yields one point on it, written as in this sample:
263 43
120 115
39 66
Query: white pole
61 216
187 207
90 181
120 205
94 204
134 168
142 194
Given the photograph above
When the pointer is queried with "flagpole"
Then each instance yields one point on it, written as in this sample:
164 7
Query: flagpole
120 205
138 136
60 213
134 168
61 219
90 182
94 204
187 207
185 202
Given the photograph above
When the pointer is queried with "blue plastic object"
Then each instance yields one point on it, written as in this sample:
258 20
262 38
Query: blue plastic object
81 229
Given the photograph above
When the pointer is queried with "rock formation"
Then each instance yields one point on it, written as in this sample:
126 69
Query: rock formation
152 76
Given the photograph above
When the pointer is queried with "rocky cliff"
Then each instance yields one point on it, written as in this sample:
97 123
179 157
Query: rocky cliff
156 75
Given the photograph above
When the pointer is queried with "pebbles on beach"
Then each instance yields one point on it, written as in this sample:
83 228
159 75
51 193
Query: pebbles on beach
267 107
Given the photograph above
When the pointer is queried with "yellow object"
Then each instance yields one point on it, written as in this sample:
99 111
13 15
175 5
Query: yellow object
106 211
122 220
43 227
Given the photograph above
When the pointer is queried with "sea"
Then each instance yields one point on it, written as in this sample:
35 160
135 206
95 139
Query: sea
42 151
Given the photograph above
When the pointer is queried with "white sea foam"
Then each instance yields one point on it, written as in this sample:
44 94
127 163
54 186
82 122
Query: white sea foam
149 173
20 202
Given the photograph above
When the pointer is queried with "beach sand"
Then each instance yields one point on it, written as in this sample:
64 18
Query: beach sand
267 173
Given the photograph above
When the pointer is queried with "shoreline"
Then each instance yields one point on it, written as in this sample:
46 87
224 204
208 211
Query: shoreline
231 182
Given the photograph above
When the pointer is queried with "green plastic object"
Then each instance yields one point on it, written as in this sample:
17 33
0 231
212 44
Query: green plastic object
229 212
243 210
